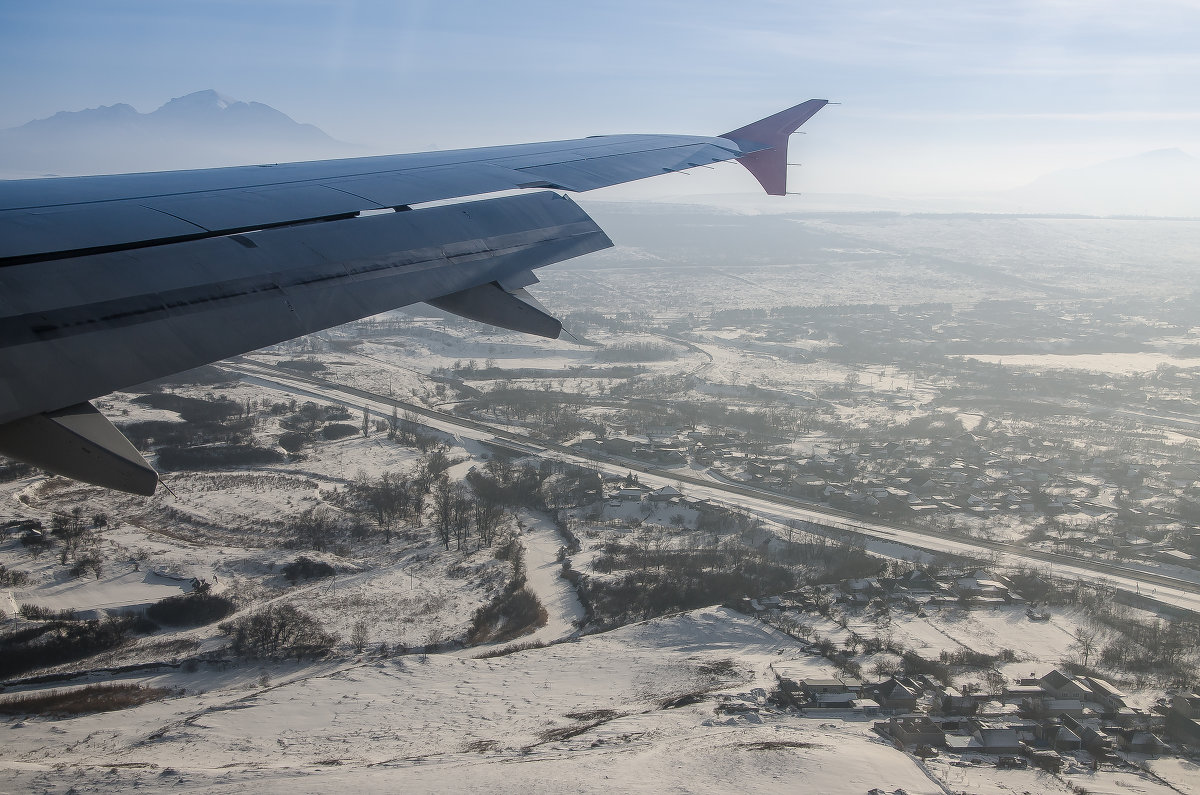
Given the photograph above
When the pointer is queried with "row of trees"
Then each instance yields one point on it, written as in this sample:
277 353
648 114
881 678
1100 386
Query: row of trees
461 516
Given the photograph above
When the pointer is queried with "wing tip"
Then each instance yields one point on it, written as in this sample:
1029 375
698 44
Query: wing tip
765 143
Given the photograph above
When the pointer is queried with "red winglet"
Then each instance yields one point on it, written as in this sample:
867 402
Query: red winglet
767 140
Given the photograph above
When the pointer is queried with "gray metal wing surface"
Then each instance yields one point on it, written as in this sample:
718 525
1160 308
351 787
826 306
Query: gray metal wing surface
110 281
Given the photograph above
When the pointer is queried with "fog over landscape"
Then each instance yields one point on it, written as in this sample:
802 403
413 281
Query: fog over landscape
892 485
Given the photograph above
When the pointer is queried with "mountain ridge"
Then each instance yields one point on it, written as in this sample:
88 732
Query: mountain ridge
202 129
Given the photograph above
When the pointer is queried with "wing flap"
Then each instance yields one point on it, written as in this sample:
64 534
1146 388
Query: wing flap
492 304
81 443
158 315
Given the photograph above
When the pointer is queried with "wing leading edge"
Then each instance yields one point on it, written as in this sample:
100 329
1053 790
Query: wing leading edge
106 282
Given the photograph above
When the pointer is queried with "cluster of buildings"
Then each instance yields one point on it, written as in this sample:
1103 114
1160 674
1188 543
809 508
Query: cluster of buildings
970 474
915 589
1056 713
964 588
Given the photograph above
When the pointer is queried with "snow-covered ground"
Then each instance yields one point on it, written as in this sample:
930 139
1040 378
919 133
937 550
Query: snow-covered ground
673 704
590 715
541 541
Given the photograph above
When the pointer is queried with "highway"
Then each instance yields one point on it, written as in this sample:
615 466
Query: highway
1161 588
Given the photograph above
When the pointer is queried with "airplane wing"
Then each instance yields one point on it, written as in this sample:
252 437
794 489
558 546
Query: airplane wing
110 281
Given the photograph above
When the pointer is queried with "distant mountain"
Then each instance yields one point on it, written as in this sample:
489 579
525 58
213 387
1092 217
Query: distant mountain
1161 182
200 130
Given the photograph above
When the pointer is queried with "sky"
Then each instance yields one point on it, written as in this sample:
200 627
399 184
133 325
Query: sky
935 96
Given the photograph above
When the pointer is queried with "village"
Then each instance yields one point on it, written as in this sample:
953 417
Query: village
1059 501
1039 720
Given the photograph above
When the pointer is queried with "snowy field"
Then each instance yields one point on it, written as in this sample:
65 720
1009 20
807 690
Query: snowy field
673 704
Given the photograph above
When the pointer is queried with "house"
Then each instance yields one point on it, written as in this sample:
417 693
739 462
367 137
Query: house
1060 685
897 694
978 587
1139 742
834 700
1054 707
673 456
1106 695
991 739
1183 718
1065 740
866 706
913 730
863 586
619 445
917 582
665 494
815 687
1096 742
1024 691
954 702
1179 558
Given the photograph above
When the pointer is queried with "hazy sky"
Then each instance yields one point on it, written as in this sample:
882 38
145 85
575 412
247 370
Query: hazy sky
936 95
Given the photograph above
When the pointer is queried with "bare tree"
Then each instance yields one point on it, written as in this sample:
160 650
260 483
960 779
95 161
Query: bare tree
443 510
313 529
72 530
1085 643
388 500
489 513
433 642
460 517
358 636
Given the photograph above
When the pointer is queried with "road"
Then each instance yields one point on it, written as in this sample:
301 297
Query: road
1159 588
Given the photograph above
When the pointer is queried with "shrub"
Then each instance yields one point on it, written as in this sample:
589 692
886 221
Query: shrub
11 578
58 642
636 352
142 432
513 613
90 563
92 698
916 664
220 455
280 630
292 441
660 581
14 470
39 613
306 569
191 610
338 430
513 649
36 542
